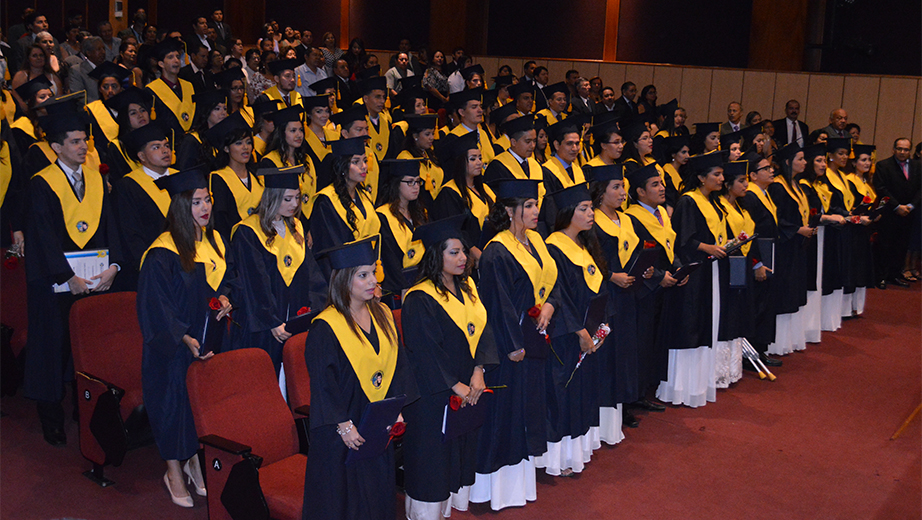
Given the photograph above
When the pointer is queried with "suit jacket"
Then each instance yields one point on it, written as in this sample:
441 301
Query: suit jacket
79 79
832 132
623 109
889 181
225 36
579 107
781 130
725 127
348 92
540 98
200 85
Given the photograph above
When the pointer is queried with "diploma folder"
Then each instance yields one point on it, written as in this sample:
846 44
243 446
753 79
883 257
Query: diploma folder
533 342
213 333
85 264
686 270
456 423
644 261
375 427
299 324
596 313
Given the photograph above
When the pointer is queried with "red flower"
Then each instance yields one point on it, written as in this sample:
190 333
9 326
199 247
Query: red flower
755 262
647 244
455 402
398 429
215 304
534 312
11 262
304 310
867 200
813 212
547 339
104 169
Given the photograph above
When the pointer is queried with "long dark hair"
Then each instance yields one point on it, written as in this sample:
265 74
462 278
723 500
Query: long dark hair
630 149
587 239
277 142
787 173
692 182
222 158
410 144
124 123
430 268
340 170
390 194
200 121
339 296
181 226
499 217
459 175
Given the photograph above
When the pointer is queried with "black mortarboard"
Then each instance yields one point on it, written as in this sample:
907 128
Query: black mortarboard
728 139
400 168
131 95
604 117
64 105
520 88
282 178
107 69
167 46
466 72
351 146
423 122
519 124
571 197
353 113
836 143
667 110
311 102
515 188
325 84
210 98
562 128
263 108
353 254
638 178
370 72
138 139
664 147
633 129
31 87
278 66
704 162
600 129
703 129
410 82
498 115
550 90
489 98
460 99
64 122
286 115
749 134
734 169
786 153
813 151
501 81
367 86
219 132
449 148
224 78
608 172
866 149
435 233
409 95
541 124
192 179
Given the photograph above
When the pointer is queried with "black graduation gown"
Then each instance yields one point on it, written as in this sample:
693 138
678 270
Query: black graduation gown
862 258
193 152
47 353
392 257
327 229
761 296
795 256
140 222
571 409
332 489
835 241
12 207
516 426
171 303
440 357
224 205
264 299
118 166
448 204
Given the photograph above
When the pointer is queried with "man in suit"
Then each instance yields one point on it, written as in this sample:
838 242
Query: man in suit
196 72
582 103
79 79
348 92
838 119
529 71
35 23
789 128
223 34
541 80
625 105
734 117
200 33
900 179
608 101
137 27
304 48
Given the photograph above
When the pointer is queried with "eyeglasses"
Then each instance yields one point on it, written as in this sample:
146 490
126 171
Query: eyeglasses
413 182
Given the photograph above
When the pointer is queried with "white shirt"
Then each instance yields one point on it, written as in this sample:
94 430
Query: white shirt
455 82
152 174
73 176
734 126
792 125
308 78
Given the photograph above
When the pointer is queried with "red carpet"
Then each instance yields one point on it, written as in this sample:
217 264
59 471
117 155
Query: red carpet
813 444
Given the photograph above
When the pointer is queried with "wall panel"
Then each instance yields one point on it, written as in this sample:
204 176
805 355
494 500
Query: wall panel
859 98
824 96
726 86
696 94
641 75
612 74
668 81
917 126
895 110
759 93
790 86
557 70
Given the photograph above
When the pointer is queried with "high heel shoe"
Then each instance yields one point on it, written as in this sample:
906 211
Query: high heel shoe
199 490
179 501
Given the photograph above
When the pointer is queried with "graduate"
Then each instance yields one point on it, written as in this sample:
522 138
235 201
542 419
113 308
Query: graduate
183 270
40 154
410 102
706 138
286 150
543 152
420 135
523 97
858 180
521 274
25 128
110 78
619 362
674 157
133 108
286 81
278 273
693 310
732 143
353 357
838 151
561 170
374 94
572 392
140 205
353 123
194 149
233 80
607 147
236 191
467 106
13 182
317 132
450 345
495 125
263 125
516 162
173 104
68 210
556 110
400 214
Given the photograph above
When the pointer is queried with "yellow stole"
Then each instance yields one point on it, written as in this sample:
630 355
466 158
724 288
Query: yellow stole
503 142
317 146
45 147
24 124
664 234
132 163
803 205
470 317
543 276
374 170
822 191
483 142
412 249
865 189
246 199
259 146
204 254
160 197
183 108
248 115
624 235
288 253
479 207
551 119
717 221
104 119
674 177
556 167
534 170
739 220
308 179
6 170
81 218
273 92
839 183
367 226
431 174
580 257
375 371
8 107
381 136
766 200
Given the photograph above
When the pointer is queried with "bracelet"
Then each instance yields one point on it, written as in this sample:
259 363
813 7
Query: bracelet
346 431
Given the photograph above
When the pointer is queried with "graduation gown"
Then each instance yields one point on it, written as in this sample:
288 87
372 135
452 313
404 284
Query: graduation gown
329 224
56 224
13 182
275 283
450 203
795 256
173 109
398 251
232 200
760 207
308 179
835 254
862 257
432 175
445 340
738 305
192 151
172 303
364 489
104 128
119 162
516 426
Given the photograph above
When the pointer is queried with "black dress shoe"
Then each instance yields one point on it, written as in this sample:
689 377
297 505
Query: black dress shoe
628 419
747 365
650 406
55 437
899 280
770 362
882 285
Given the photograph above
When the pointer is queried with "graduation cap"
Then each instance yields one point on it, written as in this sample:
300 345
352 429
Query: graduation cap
354 254
370 72
230 124
753 158
408 96
435 233
489 98
347 147
410 82
735 169
498 116
64 105
226 77
666 146
515 188
562 128
107 69
31 87
750 133
550 90
704 162
282 178
400 168
467 72
367 86
605 127
519 124
786 153
264 108
502 81
703 129
210 98
571 197
521 88
278 66
865 149
728 139
286 115
311 102
606 173
633 129
167 46
75 120
450 148
324 85
192 179
460 99
604 117
353 113
138 139
813 151
667 110
129 96
640 176
423 122
838 143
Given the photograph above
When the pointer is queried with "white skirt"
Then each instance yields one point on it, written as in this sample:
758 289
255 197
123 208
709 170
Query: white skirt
831 317
813 329
509 486
569 453
790 332
417 510
860 295
610 425
728 362
847 302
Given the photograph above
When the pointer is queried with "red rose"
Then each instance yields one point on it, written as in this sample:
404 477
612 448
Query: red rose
647 244
304 310
11 262
455 402
755 262
534 312
104 169
547 339
398 429
867 200
215 304
813 212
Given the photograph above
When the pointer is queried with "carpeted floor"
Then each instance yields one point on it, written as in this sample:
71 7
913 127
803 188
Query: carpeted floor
813 444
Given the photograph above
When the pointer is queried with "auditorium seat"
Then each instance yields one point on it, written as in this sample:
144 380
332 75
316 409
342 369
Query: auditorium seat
14 320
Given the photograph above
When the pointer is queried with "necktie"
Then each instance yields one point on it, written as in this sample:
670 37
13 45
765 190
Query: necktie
794 137
905 166
736 127
78 189
658 216
570 172
286 100
524 165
